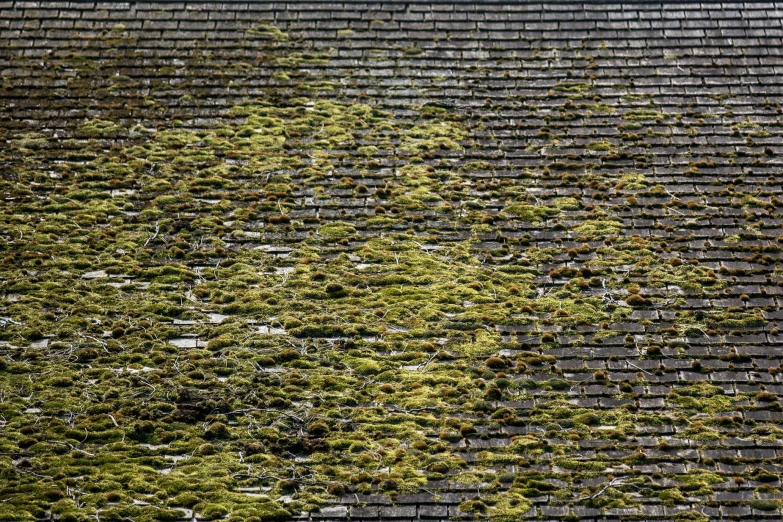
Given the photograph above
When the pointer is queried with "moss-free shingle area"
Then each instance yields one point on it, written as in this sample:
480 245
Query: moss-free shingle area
390 261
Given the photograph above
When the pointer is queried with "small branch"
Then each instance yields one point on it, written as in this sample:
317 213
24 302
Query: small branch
640 369
614 482
5 321
99 341
267 410
157 231
425 363
74 448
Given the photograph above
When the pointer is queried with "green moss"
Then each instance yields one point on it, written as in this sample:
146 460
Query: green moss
313 296
672 496
633 181
643 115
580 465
598 228
530 213
498 508
12 513
363 366
98 128
691 516
600 146
765 505
508 507
268 31
572 87
429 137
567 203
212 512
700 478
337 230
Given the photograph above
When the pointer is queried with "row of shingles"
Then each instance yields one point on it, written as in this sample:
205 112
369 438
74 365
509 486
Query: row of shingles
536 78
228 48
632 365
735 444
762 293
651 398
543 8
502 22
553 512
44 26
149 25
439 64
596 513
447 508
764 141
663 456
642 15
667 461
150 14
657 33
150 35
588 404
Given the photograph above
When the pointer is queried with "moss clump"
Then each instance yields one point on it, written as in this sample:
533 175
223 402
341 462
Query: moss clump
765 504
600 146
506 507
269 32
691 516
598 228
269 511
98 128
567 203
580 465
496 363
572 87
337 230
483 343
643 115
430 137
632 181
530 213
637 300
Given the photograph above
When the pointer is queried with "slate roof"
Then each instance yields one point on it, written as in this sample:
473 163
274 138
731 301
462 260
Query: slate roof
391 260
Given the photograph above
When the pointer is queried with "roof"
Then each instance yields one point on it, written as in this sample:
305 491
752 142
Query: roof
390 260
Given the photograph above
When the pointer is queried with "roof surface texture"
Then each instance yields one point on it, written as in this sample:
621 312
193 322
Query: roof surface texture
390 261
